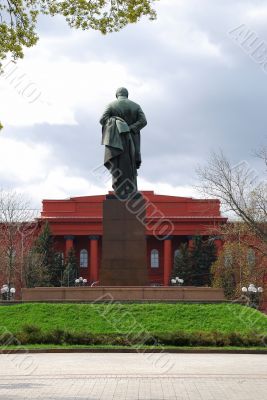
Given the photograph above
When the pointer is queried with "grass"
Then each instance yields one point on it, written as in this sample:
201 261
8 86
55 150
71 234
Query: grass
126 325
123 318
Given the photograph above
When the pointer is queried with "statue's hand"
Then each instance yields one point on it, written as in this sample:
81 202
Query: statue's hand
138 164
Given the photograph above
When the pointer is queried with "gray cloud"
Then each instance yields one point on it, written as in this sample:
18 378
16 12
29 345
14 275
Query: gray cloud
206 101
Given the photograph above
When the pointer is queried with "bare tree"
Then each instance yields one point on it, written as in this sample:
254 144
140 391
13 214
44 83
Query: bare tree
17 228
262 154
239 189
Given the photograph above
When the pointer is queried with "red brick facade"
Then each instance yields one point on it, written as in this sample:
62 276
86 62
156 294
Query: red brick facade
170 221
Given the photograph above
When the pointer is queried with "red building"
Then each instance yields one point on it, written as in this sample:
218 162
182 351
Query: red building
169 221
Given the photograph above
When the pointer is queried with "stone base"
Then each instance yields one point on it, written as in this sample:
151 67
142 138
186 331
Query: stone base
124 256
136 294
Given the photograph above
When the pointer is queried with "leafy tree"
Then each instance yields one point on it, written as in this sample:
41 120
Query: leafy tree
203 254
196 259
224 273
193 265
19 18
71 269
182 265
44 249
240 262
35 274
58 269
49 261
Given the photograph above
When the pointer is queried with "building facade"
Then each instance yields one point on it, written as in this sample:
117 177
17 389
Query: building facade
169 220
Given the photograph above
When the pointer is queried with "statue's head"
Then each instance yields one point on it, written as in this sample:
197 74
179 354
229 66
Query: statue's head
122 92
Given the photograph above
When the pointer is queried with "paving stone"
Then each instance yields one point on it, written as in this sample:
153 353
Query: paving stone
133 377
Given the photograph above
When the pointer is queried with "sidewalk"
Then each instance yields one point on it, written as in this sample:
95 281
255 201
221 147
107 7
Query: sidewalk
133 376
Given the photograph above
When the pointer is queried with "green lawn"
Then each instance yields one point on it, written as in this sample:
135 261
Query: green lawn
123 318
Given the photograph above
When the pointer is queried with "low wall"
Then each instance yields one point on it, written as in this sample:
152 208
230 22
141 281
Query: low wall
120 293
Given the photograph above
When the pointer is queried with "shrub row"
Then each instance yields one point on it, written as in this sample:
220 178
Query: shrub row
31 334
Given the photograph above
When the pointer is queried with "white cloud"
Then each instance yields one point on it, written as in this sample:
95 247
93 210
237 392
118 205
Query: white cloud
190 41
60 183
180 32
257 13
29 166
64 86
24 162
167 189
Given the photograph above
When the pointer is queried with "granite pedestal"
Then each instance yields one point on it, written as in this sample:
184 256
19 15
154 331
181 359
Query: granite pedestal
124 256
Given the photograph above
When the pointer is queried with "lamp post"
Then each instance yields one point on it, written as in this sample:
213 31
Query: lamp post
177 281
80 281
253 293
7 292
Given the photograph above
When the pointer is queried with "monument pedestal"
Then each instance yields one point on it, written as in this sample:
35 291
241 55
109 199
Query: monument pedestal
124 257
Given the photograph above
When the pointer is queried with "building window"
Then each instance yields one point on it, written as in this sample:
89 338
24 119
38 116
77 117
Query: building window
154 258
83 258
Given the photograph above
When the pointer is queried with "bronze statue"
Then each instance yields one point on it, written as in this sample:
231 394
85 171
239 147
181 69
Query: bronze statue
121 124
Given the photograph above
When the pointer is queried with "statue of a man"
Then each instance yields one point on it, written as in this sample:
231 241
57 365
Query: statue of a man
121 124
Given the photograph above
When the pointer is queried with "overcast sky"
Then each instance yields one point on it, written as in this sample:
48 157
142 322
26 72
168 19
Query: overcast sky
199 89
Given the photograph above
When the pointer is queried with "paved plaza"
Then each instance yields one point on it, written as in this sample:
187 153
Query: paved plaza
95 376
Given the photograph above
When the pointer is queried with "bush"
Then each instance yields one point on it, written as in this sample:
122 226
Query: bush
7 339
82 338
179 338
203 339
56 336
32 334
